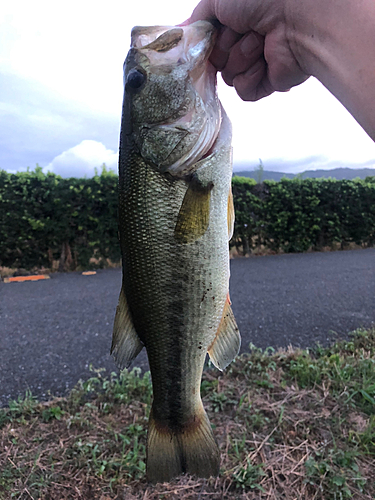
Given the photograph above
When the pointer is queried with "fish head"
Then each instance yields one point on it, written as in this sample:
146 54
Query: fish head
170 106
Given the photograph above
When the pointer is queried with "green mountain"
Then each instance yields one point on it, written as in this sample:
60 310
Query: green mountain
336 173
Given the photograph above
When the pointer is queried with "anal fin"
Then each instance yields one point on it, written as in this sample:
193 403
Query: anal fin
227 342
126 344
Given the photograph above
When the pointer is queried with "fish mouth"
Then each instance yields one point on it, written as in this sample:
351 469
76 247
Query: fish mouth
189 47
179 44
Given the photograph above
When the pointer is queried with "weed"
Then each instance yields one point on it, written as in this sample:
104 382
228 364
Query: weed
290 424
52 412
332 471
366 439
219 400
248 476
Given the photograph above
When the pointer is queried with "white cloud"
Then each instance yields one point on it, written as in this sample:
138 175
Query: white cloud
37 124
81 160
72 89
78 49
307 122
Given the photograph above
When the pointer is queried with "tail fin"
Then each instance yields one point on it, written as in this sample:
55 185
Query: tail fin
191 449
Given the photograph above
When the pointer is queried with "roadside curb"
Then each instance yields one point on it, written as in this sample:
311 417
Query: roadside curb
19 279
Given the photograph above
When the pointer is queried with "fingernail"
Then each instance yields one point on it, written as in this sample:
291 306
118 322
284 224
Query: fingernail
249 43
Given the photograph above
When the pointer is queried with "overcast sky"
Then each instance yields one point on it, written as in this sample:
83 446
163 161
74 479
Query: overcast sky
61 93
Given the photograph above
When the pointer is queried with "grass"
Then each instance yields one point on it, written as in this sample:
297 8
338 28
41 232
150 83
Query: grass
290 425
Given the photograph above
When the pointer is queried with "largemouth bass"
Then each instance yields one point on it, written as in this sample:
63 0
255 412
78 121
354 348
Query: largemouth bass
175 216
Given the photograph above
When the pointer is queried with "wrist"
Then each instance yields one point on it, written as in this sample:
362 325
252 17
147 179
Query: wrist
334 40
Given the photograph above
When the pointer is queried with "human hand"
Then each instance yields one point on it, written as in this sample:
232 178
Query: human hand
253 48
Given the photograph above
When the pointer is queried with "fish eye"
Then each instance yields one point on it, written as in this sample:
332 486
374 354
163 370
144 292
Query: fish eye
135 79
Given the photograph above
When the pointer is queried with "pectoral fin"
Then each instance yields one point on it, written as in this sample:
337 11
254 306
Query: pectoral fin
194 215
230 214
125 341
227 342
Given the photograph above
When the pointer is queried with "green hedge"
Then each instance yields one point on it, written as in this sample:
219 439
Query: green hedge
295 215
45 218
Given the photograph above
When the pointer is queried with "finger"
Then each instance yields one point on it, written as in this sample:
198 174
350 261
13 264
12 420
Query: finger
225 41
205 10
240 15
254 83
242 56
283 70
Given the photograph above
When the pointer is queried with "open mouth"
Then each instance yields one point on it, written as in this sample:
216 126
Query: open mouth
187 44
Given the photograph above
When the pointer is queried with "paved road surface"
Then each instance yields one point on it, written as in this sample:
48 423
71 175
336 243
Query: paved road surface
50 331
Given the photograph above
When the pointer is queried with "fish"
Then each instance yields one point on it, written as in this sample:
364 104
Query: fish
176 217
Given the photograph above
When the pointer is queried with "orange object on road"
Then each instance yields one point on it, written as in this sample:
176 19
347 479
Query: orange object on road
35 277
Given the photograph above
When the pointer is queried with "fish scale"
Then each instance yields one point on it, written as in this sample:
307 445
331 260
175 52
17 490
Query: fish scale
159 294
174 240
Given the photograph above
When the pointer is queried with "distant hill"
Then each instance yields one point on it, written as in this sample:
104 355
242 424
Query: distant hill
266 175
336 173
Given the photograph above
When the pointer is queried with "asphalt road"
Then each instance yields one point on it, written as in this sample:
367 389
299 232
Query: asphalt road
51 331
